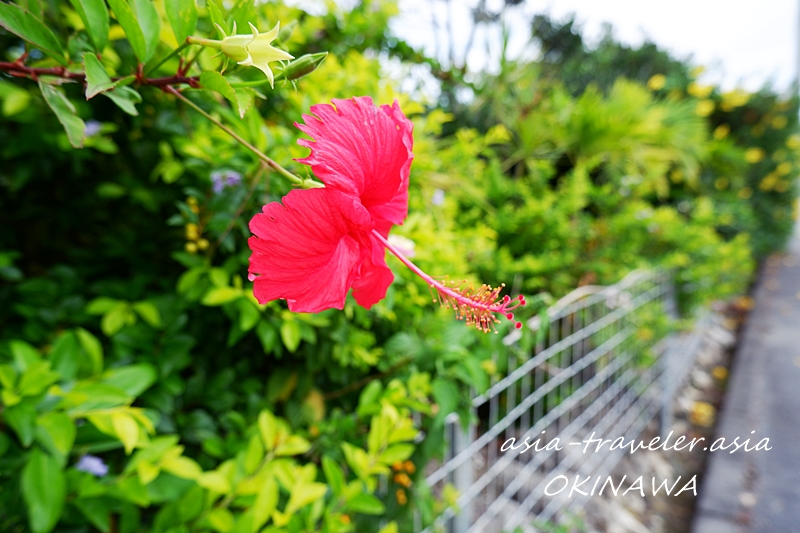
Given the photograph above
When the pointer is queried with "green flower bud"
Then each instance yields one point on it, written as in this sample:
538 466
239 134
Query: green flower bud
303 66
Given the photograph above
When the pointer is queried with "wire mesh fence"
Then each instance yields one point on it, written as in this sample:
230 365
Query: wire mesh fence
600 369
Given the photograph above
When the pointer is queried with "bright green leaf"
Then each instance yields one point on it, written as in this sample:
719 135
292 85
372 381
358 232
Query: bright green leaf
97 80
365 503
182 15
133 379
221 520
115 319
22 418
92 347
221 295
149 313
126 429
127 19
294 445
24 354
266 502
101 305
396 452
150 23
56 432
182 467
290 335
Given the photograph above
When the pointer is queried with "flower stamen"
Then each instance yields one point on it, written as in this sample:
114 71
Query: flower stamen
475 306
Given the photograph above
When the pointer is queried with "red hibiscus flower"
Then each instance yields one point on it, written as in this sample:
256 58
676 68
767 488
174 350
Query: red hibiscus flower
319 243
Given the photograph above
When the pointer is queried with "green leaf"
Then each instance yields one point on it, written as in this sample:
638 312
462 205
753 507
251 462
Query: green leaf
44 489
149 313
36 379
8 376
133 379
214 481
24 355
22 418
127 19
266 502
365 503
182 15
182 467
56 432
94 14
253 455
150 23
249 314
28 27
126 99
304 493
396 452
65 112
334 474
217 82
268 428
65 356
127 430
221 520
294 445
290 335
97 80
101 305
115 319
92 347
221 295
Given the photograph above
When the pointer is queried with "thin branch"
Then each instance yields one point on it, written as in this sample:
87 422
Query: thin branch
294 178
21 71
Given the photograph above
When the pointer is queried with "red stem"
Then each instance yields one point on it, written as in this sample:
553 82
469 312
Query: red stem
22 71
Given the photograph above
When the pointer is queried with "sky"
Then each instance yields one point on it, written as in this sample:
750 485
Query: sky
742 43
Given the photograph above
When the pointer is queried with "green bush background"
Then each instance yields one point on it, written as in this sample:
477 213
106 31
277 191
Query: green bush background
122 338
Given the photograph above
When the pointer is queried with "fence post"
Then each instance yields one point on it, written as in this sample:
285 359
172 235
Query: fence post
462 476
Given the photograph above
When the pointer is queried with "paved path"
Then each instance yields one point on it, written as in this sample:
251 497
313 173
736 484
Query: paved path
759 491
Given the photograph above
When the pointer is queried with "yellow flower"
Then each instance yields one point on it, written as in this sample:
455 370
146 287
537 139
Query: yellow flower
696 71
702 414
700 91
735 98
704 108
754 155
779 122
784 168
769 182
656 82
721 131
719 372
255 50
793 141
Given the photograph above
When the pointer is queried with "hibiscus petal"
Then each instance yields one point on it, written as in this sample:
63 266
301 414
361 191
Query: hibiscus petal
308 250
374 277
362 150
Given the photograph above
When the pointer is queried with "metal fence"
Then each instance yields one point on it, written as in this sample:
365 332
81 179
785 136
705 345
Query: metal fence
585 376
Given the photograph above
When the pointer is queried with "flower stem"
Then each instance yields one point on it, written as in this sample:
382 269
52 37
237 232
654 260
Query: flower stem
211 43
293 178
172 54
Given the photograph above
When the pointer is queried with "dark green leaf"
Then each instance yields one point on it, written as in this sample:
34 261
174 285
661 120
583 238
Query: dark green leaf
44 490
22 418
127 19
182 15
94 14
65 112
28 27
